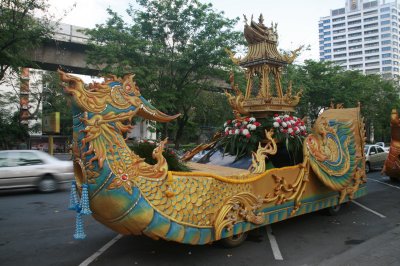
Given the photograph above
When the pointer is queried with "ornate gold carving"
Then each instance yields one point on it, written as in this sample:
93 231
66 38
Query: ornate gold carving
241 207
284 192
258 158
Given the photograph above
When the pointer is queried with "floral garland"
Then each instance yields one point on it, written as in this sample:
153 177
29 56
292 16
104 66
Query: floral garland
236 127
289 125
242 136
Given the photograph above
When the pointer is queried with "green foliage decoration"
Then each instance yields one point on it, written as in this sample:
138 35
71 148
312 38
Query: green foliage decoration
145 149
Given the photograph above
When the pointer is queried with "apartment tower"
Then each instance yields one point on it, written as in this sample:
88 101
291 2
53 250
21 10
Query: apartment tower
364 35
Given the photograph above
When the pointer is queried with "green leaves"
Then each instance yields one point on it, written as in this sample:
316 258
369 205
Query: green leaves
174 47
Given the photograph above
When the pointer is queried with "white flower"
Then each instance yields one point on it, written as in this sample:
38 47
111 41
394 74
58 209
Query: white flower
253 127
248 126
252 119
225 124
237 131
276 124
234 121
226 129
244 122
286 116
290 130
284 124
288 122
245 132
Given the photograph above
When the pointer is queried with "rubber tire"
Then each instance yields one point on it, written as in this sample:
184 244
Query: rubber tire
233 241
367 167
47 184
333 210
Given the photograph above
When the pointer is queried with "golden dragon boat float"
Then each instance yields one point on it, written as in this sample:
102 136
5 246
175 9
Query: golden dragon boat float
392 164
212 203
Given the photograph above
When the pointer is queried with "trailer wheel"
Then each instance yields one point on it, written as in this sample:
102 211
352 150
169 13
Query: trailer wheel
333 210
234 241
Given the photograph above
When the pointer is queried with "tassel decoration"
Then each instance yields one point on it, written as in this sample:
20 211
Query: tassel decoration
84 205
73 198
79 230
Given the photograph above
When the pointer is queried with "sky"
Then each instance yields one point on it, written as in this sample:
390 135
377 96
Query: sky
297 19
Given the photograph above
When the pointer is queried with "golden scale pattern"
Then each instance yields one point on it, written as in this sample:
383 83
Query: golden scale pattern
196 200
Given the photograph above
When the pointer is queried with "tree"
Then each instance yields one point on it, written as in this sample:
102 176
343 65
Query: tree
21 32
54 100
173 46
324 83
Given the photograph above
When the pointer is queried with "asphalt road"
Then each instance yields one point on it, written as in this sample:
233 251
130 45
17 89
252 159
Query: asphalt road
37 229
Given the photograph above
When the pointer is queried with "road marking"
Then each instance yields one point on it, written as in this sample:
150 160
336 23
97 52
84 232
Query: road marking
368 209
274 244
101 251
384 183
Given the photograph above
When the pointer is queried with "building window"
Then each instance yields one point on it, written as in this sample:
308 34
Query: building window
386 35
339 31
370 32
339 25
386 62
370 19
372 71
339 43
354 22
354 28
355 41
327 39
372 64
388 55
327 27
395 30
371 44
371 25
327 33
355 47
339 49
372 57
327 51
386 68
354 16
327 57
385 29
385 22
338 19
355 53
339 37
385 9
387 15
395 50
371 51
386 42
339 55
386 48
338 12
356 66
356 59
326 21
371 38
355 34
327 45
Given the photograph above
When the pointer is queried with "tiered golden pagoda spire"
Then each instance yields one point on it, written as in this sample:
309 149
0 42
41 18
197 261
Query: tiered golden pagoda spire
264 64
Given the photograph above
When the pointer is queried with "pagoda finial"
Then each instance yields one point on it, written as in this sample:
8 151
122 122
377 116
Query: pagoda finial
261 19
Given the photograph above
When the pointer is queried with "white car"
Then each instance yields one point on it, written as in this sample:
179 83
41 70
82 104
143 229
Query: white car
383 145
32 168
375 157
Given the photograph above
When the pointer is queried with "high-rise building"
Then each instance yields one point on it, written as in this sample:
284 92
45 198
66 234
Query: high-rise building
364 35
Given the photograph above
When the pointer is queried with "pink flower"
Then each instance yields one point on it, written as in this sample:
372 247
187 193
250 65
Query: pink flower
248 136
257 124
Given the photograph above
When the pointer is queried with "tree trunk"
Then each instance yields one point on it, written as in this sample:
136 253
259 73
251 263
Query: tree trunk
179 133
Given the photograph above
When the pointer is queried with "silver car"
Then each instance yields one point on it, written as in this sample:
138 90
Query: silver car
32 168
375 157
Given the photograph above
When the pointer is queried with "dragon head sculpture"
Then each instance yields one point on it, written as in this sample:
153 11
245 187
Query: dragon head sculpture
114 95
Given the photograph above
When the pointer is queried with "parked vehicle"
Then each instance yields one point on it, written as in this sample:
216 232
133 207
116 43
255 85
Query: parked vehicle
383 145
375 157
33 168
